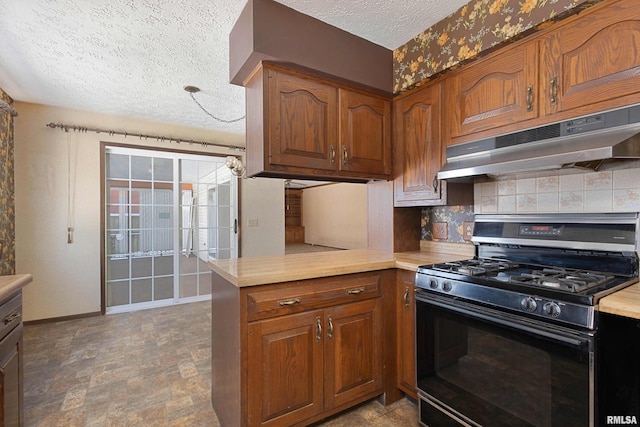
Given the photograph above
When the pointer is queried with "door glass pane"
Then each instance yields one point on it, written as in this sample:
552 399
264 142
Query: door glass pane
141 168
163 169
208 210
117 166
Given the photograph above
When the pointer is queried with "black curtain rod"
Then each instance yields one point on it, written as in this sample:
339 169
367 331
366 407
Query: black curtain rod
74 128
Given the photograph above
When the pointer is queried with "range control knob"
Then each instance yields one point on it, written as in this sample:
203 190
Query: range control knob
528 304
551 309
433 284
447 286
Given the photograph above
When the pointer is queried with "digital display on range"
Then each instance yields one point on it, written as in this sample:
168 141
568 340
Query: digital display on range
540 230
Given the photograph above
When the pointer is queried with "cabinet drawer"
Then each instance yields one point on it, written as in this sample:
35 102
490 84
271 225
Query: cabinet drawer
311 294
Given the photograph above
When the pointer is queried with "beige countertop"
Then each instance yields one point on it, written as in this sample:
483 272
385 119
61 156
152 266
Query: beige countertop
273 269
11 284
625 302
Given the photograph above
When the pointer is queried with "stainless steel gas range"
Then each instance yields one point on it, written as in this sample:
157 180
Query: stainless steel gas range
511 337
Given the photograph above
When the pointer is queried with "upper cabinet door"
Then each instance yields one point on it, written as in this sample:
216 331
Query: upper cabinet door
365 133
418 147
302 122
595 59
496 91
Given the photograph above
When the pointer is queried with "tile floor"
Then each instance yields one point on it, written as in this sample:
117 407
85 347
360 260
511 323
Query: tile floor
146 368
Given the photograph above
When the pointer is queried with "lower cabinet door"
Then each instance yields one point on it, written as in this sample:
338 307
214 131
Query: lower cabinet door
11 387
406 334
285 376
353 352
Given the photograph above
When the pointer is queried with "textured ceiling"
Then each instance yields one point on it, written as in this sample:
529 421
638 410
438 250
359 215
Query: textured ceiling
133 58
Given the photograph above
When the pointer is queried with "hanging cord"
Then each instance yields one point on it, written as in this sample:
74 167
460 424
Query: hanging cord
211 115
194 89
72 157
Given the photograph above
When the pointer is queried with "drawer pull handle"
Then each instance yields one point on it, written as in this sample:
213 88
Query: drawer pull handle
330 328
406 297
530 98
332 149
355 291
287 302
10 318
318 329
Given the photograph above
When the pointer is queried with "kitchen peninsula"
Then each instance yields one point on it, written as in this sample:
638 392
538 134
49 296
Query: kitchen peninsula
300 337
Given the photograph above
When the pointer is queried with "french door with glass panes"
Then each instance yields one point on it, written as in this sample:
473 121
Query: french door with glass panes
166 215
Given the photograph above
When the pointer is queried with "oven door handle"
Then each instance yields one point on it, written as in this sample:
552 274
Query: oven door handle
509 321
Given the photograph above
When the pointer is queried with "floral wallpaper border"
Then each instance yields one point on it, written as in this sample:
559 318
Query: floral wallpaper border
474 30
7 191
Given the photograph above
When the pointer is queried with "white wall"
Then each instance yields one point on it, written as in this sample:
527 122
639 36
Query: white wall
335 215
67 276
262 217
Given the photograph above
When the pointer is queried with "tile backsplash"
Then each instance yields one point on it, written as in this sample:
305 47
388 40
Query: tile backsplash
560 191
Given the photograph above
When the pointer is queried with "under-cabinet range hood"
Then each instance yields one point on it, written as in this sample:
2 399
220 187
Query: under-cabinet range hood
580 142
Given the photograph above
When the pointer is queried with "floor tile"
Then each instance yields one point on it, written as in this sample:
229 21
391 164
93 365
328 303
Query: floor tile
146 368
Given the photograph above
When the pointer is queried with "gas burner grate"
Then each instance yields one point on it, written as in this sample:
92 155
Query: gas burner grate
564 280
475 267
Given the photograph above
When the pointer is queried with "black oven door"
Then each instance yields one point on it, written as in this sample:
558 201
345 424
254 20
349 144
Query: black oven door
480 367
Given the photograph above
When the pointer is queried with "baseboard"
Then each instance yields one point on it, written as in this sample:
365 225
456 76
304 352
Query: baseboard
62 319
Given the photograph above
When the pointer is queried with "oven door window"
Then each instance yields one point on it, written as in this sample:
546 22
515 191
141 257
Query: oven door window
499 376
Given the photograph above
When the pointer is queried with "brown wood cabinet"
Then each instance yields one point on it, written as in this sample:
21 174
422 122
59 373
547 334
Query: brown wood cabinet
302 126
585 64
365 134
406 335
301 350
419 154
419 151
286 373
592 63
495 91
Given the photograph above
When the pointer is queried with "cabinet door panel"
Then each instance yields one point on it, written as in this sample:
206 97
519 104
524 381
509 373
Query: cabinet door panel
595 59
302 122
285 375
419 149
406 337
365 133
353 358
498 91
